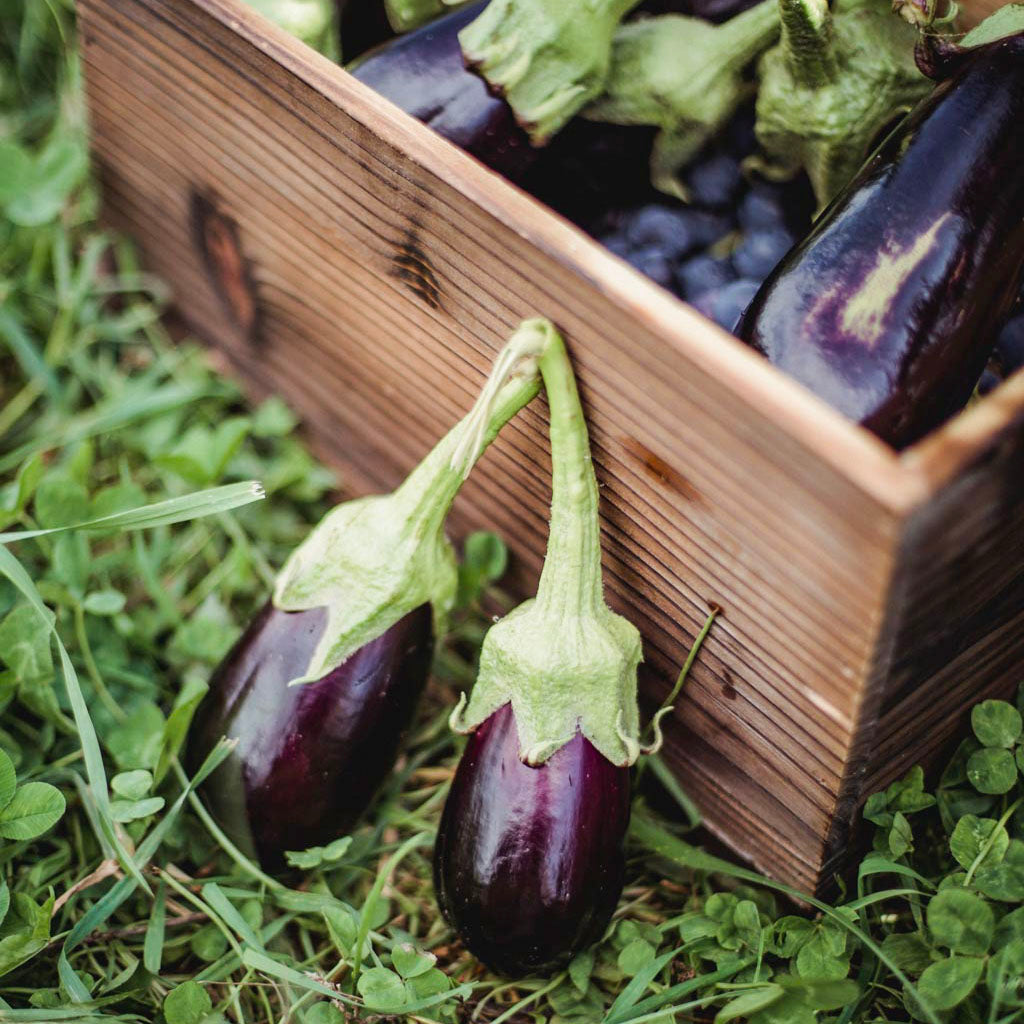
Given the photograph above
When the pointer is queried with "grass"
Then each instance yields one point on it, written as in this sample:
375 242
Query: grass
120 897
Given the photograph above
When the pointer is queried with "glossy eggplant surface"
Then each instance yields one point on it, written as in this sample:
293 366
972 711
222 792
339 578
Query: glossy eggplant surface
891 306
310 757
529 862
423 73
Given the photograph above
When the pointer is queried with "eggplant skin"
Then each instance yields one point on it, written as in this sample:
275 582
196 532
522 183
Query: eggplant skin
423 73
309 758
529 863
891 306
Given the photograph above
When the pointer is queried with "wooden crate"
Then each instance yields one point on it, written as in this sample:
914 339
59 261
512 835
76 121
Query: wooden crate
346 257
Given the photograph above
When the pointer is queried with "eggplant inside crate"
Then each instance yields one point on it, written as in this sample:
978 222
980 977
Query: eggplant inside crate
343 255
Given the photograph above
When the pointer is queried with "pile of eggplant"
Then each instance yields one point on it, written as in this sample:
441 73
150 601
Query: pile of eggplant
894 304
704 167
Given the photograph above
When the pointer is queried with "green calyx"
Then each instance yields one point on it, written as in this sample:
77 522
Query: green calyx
405 15
831 85
565 661
684 76
1007 21
371 561
312 21
547 59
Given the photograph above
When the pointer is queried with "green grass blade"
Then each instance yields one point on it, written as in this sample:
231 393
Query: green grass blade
161 513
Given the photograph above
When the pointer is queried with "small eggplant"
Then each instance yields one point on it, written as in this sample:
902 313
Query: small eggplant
890 307
529 863
310 757
323 683
423 73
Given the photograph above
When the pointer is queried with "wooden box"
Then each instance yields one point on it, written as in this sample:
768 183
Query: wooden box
343 255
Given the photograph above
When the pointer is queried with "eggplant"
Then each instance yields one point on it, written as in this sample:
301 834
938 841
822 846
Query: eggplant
890 308
529 864
584 169
309 758
423 73
320 688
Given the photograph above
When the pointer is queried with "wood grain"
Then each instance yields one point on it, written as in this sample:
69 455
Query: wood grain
345 257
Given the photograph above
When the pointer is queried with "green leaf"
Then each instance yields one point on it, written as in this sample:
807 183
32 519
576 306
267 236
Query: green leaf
484 560
996 723
961 921
819 958
134 810
273 418
947 983
25 931
411 962
317 856
15 171
135 743
749 1002
24 647
901 837
430 983
323 1013
381 989
5 900
7 780
104 602
1005 973
972 834
992 770
60 501
133 785
1004 881
189 1003
580 969
908 950
1009 928
56 171
36 807
208 943
790 1009
635 956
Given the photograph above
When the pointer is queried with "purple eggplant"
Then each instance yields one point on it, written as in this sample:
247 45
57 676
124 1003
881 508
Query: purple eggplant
529 862
320 688
582 171
423 73
890 308
309 758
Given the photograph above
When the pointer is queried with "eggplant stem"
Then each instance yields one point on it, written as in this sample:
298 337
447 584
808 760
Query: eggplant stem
570 582
807 42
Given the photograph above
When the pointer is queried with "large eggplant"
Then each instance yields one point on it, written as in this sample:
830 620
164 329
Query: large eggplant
529 863
309 758
423 73
323 683
890 307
